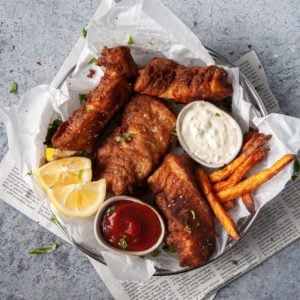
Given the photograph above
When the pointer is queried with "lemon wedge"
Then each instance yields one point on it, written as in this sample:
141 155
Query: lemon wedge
71 170
53 153
78 200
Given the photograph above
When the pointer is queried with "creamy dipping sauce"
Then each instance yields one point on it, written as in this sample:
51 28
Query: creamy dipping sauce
209 133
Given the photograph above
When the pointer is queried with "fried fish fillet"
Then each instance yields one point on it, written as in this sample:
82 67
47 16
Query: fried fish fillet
167 79
81 130
127 157
190 220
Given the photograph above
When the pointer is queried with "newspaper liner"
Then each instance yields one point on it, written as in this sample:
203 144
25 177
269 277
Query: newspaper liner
134 17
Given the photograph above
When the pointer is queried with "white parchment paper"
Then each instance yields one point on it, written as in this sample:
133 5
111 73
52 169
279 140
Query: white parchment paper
156 32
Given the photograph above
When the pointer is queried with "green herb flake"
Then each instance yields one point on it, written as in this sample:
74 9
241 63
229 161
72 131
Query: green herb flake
130 40
14 47
154 253
92 60
54 220
174 132
119 139
84 32
110 210
217 114
52 128
258 89
193 214
29 173
144 128
123 243
43 250
171 103
82 98
13 88
80 174
168 249
188 228
127 137
296 173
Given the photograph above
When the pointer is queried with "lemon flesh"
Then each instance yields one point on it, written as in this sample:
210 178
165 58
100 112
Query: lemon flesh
65 171
78 200
53 153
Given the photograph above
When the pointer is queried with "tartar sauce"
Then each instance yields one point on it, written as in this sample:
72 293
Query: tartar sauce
209 133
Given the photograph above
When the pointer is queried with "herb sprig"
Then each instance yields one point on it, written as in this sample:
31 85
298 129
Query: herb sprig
13 88
127 137
123 243
43 250
51 130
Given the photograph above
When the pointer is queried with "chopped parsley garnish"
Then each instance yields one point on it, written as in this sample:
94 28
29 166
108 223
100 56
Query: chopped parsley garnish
168 249
127 137
155 253
123 243
13 88
29 173
130 40
296 173
80 174
110 210
144 128
82 98
217 114
54 220
43 250
188 228
51 130
84 32
92 60
171 103
258 88
174 132
193 214
226 104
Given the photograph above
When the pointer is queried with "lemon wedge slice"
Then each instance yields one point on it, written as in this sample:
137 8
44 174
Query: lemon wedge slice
71 170
78 200
53 153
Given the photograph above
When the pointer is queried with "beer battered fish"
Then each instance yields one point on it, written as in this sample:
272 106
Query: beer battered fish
164 78
189 218
127 157
80 131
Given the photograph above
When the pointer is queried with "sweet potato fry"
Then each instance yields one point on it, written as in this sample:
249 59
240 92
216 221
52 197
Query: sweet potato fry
229 205
216 206
248 135
254 143
254 181
241 170
248 201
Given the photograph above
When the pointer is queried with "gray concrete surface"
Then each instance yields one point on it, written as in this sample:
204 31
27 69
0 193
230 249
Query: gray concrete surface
35 38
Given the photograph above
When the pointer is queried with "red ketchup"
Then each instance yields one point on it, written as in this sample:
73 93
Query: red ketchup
130 226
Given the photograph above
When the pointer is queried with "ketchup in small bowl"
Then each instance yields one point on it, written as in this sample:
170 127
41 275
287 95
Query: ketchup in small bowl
125 224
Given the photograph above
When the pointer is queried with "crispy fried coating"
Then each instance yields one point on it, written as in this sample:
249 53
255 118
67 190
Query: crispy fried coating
81 130
190 220
127 157
165 78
